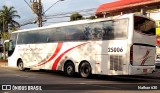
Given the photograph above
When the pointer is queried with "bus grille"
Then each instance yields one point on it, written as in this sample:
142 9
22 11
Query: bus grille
116 62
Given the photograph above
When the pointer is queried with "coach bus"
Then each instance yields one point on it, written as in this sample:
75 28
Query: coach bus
122 45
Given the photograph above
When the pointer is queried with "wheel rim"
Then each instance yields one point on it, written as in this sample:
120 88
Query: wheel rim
69 70
85 70
20 65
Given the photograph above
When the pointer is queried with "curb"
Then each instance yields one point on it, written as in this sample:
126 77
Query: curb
4 64
3 61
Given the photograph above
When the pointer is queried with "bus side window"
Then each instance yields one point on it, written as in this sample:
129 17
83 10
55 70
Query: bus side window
95 31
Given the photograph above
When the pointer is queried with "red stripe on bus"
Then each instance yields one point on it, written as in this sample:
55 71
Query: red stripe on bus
59 46
145 57
144 60
54 66
146 54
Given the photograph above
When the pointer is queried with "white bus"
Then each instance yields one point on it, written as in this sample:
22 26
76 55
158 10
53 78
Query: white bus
123 45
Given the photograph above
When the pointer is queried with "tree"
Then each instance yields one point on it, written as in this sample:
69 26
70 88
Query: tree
7 15
91 17
76 16
1 25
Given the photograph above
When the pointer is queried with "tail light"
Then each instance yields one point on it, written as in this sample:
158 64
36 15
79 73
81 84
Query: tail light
131 55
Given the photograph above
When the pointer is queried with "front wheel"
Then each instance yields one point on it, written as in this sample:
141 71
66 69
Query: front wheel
85 70
20 65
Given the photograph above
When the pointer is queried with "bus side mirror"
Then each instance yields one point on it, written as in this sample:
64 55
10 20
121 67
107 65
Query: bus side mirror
6 41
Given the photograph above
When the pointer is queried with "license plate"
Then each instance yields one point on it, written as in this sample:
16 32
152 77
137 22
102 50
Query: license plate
144 70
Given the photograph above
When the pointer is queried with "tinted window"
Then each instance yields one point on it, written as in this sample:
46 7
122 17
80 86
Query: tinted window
50 33
73 33
93 31
13 38
32 37
57 34
40 36
106 30
116 29
12 44
144 25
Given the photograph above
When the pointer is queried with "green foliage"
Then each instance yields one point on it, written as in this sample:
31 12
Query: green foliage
91 17
1 58
76 16
1 25
7 16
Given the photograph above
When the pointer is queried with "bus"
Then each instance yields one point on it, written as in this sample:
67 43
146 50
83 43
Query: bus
122 45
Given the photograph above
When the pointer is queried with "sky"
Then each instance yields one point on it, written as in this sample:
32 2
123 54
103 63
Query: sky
61 7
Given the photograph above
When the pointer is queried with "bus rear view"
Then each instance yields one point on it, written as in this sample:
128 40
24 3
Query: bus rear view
142 50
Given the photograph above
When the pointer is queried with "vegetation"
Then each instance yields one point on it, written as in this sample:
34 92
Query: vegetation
76 16
7 16
91 17
7 22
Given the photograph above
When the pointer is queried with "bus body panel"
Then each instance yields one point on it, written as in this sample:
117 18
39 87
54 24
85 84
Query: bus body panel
143 55
142 48
137 70
36 55
108 56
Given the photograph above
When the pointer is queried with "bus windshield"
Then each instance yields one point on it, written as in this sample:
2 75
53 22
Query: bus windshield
12 44
144 25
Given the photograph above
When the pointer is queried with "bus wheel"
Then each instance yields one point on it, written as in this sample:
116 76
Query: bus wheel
69 69
85 70
20 65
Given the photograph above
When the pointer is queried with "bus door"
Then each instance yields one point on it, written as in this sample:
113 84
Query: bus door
101 64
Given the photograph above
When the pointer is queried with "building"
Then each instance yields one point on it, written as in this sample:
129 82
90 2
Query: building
127 6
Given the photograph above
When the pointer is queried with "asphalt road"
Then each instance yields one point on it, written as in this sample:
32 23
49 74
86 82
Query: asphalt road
57 82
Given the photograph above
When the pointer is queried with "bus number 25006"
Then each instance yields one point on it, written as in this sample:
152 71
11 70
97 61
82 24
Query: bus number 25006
115 49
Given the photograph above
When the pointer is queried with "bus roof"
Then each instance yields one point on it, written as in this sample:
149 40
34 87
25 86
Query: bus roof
63 24
73 23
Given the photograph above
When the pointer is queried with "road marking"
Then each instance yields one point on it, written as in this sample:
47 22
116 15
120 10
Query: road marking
82 83
24 76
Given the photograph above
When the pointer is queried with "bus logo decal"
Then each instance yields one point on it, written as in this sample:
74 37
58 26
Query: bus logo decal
145 57
55 64
59 46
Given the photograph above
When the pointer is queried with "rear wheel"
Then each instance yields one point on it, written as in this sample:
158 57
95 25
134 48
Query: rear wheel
85 70
20 65
69 69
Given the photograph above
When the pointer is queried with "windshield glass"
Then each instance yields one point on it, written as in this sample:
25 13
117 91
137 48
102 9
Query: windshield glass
144 26
12 44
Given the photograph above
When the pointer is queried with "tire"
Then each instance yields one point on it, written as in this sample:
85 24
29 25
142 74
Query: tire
20 65
85 70
69 69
